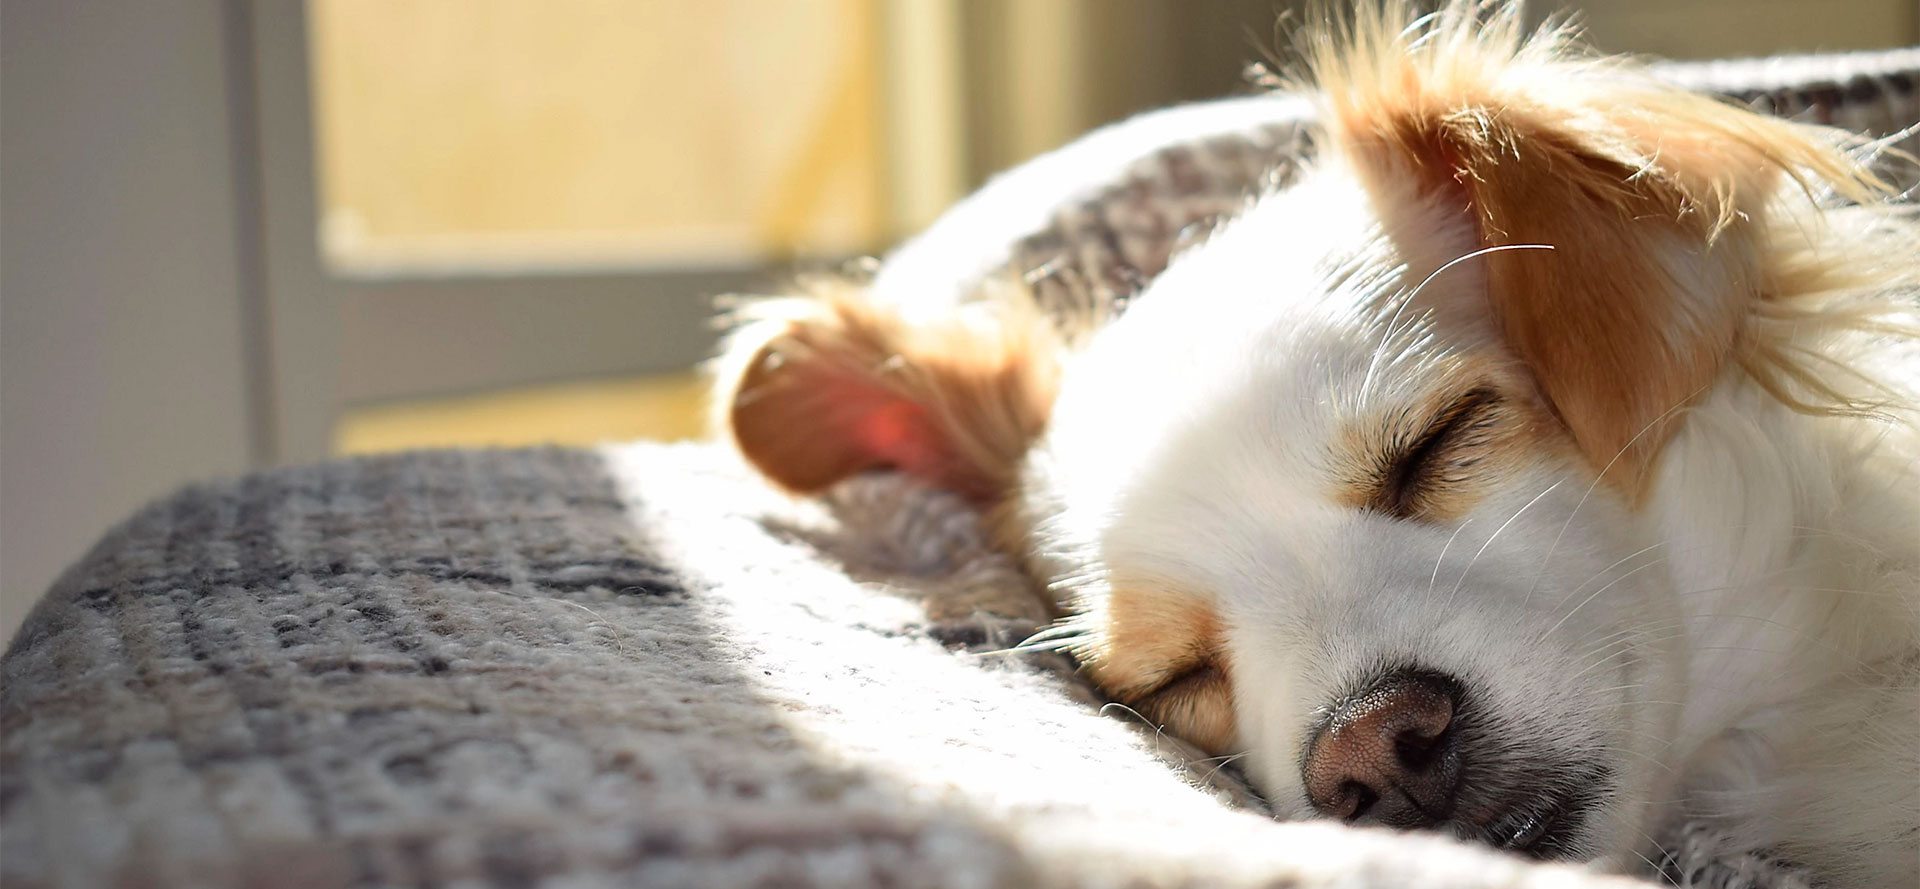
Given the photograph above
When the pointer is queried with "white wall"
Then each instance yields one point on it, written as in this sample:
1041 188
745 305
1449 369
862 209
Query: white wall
121 362
1705 29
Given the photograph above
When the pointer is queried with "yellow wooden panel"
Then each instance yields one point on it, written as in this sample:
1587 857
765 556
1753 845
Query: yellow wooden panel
492 132
664 408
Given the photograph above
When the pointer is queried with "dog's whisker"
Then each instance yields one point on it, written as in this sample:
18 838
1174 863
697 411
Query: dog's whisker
1642 756
1224 762
1631 686
1846 591
1683 593
1043 647
1599 659
1590 597
1607 637
1496 536
1703 590
1674 553
1443 554
1554 547
1617 563
1366 382
1058 630
1158 729
1644 634
1658 849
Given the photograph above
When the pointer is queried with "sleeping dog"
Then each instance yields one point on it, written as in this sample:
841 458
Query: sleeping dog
1539 467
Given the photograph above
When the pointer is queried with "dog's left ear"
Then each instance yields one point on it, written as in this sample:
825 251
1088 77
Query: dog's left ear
1654 201
828 385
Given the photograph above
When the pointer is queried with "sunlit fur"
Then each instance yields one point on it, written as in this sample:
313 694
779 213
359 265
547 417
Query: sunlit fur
1683 553
831 384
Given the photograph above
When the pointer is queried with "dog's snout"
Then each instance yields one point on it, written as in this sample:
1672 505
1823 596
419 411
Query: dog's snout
1388 756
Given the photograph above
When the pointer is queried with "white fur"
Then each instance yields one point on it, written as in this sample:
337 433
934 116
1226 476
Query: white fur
1742 647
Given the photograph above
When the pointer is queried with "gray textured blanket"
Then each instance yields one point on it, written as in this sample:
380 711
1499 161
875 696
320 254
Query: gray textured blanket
586 669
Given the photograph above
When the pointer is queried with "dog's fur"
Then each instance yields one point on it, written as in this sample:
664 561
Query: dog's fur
1644 480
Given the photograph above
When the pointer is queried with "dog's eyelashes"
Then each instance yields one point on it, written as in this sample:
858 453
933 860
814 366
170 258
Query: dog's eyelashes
1194 678
1417 468
1195 703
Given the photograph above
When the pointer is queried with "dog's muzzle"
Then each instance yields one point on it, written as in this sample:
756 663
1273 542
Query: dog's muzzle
1399 752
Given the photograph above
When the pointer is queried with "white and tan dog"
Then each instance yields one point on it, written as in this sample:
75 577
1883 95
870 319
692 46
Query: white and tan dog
1540 467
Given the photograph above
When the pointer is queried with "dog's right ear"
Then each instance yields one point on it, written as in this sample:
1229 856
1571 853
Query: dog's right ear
1660 206
820 388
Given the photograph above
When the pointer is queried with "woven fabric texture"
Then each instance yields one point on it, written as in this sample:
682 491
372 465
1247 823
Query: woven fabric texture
1088 226
636 667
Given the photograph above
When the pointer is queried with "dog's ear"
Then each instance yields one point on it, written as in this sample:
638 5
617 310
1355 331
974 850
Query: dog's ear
1654 201
822 387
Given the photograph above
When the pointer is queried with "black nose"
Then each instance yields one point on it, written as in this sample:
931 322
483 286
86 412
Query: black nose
1388 754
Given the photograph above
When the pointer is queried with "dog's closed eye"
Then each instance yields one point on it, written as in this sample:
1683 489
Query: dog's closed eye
1422 464
1196 704
1163 655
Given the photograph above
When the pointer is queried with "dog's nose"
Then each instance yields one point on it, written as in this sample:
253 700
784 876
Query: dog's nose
1386 756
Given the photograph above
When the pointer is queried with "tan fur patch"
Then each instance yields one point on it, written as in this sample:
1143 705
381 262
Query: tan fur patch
1162 651
1653 199
1433 460
825 387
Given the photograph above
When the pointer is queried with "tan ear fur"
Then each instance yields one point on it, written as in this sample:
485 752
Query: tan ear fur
822 387
1654 200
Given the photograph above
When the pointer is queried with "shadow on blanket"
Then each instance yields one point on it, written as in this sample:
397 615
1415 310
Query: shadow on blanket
584 669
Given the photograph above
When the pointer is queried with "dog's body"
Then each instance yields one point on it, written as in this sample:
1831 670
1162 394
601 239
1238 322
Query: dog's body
1540 467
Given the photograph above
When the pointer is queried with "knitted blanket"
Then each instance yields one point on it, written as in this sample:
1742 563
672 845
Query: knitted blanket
1086 227
630 667
639 666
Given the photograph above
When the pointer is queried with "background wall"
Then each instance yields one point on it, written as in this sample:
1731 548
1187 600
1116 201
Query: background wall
163 316
1705 29
122 332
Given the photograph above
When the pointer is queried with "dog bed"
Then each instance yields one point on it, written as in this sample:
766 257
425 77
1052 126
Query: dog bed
640 666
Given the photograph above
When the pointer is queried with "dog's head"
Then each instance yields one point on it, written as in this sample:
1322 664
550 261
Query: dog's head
1354 488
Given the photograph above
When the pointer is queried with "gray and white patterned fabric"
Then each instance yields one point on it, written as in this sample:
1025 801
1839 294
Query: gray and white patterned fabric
1087 226
629 667
639 666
